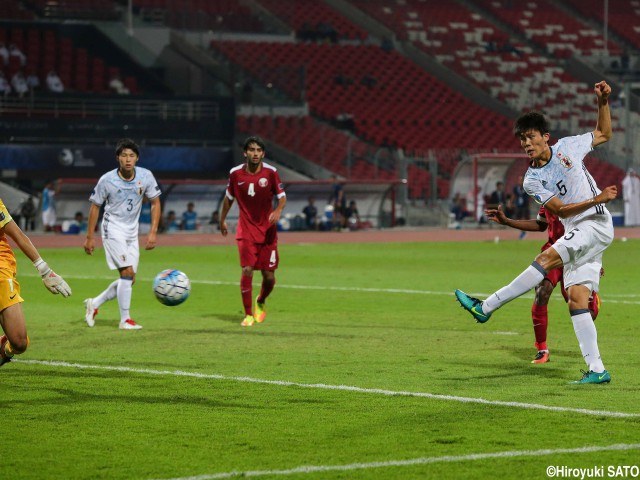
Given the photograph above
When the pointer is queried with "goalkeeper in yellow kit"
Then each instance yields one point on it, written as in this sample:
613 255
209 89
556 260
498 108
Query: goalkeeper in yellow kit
15 340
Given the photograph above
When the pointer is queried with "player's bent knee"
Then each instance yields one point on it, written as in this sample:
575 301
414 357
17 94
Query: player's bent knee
19 344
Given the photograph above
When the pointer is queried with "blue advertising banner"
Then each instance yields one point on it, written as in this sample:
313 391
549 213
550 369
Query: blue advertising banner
81 161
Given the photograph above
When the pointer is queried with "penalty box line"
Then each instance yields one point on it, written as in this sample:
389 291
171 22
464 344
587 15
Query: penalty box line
322 386
412 462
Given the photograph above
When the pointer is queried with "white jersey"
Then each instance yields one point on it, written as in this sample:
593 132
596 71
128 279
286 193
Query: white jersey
122 201
565 176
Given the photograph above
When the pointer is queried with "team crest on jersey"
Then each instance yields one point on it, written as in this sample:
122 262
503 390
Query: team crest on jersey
263 182
564 160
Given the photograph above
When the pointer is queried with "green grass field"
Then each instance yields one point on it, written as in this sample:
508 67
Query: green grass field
366 367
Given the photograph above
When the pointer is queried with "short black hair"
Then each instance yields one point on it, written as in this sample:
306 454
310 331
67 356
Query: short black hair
254 139
531 121
127 143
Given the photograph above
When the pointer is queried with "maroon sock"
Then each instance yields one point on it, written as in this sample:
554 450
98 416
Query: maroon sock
247 293
267 288
540 322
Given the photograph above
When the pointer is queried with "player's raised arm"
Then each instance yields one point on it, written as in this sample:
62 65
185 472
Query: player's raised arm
603 131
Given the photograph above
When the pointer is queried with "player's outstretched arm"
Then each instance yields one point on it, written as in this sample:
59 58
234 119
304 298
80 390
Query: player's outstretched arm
54 283
497 215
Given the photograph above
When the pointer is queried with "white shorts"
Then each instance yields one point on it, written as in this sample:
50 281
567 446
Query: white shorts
122 253
581 250
49 218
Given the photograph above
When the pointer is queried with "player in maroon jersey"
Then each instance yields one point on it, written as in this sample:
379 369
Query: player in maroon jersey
254 184
555 229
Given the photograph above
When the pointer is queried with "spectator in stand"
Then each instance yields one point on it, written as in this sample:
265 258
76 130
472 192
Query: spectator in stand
497 197
476 205
77 225
631 197
28 213
352 216
146 219
4 55
215 220
171 223
5 88
338 201
49 215
326 32
521 204
368 81
54 84
14 51
521 200
311 215
190 218
459 207
117 86
19 84
306 33
33 81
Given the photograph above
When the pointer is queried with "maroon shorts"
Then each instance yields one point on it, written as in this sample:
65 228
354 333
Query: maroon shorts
260 256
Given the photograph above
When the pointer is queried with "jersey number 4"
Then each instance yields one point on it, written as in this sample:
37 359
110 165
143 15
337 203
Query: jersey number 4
252 191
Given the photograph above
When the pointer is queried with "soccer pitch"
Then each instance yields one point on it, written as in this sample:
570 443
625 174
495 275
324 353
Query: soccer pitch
366 367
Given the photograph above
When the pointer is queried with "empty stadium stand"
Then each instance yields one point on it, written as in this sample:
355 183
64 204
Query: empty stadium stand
315 20
219 15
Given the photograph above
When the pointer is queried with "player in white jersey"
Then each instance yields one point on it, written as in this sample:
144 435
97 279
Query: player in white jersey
121 191
558 179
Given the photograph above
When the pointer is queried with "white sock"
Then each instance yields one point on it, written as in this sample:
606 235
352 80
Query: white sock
125 288
588 338
524 282
108 294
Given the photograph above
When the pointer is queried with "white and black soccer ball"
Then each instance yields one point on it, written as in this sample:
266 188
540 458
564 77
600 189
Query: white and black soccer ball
171 287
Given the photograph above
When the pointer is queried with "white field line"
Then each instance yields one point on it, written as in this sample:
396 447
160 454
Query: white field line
609 298
322 386
414 461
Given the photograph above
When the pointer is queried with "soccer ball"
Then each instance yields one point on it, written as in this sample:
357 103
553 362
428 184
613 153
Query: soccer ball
171 287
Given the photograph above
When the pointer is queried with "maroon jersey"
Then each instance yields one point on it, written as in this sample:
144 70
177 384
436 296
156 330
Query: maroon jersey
254 193
555 229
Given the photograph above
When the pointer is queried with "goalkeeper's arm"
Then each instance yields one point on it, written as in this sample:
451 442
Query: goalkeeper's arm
53 282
